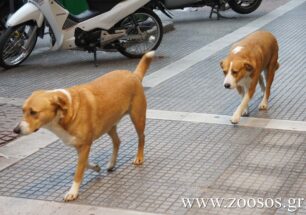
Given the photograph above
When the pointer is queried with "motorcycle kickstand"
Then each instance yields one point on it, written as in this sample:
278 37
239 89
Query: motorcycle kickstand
95 58
94 51
216 9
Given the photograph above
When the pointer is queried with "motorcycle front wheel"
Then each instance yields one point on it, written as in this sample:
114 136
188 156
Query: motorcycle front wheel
244 6
144 33
16 44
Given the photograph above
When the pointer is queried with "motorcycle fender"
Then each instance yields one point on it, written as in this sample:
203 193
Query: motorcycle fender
28 12
110 18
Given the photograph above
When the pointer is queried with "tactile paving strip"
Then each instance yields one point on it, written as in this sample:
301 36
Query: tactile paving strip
182 159
200 88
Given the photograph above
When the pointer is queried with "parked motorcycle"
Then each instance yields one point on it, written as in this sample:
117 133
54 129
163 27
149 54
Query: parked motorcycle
239 6
125 26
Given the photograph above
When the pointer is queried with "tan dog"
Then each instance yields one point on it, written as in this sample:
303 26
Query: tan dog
243 66
81 114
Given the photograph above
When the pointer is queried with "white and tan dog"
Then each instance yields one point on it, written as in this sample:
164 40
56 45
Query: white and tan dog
81 114
243 66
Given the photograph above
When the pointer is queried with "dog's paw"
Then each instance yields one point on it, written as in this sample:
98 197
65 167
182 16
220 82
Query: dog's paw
70 196
263 105
246 113
110 166
138 161
235 119
96 168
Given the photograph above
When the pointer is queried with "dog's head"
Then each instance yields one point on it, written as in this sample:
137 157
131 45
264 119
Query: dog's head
40 109
235 70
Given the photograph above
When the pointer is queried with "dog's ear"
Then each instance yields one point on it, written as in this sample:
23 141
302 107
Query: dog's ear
61 101
249 67
221 64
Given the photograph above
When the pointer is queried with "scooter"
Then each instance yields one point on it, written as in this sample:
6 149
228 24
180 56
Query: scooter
127 26
239 6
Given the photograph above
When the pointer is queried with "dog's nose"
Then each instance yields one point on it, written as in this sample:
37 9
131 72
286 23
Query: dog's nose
227 85
17 129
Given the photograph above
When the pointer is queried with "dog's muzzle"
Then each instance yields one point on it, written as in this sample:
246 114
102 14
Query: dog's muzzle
23 128
227 86
17 129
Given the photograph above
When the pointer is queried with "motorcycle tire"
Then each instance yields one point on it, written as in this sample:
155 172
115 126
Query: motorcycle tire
244 9
12 45
150 13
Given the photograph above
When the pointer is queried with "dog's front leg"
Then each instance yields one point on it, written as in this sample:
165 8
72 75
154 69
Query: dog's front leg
241 92
83 152
244 104
245 101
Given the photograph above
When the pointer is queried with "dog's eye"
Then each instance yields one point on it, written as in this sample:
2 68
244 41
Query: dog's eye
234 72
225 72
33 113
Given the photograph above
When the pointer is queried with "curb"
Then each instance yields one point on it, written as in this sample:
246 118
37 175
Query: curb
19 206
23 147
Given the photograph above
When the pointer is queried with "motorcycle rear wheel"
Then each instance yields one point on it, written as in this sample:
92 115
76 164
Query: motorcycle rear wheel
243 7
145 25
16 44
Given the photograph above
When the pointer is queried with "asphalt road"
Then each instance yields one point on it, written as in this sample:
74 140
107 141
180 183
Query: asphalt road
47 70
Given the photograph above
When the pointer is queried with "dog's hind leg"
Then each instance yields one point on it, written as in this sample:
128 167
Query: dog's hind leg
262 84
116 143
138 117
273 66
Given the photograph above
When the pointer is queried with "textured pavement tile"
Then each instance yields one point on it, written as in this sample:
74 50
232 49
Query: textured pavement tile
182 159
9 116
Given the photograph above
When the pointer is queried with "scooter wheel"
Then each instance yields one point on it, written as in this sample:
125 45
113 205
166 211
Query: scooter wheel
16 44
239 7
144 33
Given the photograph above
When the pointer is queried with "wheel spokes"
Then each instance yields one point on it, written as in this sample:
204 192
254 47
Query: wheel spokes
19 44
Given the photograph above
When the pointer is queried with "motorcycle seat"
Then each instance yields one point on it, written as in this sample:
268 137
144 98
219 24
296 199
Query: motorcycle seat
87 14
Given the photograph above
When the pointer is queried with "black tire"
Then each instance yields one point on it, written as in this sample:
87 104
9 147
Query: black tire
237 7
152 15
6 38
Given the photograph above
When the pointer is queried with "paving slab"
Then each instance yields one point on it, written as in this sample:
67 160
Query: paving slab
200 88
182 159
9 116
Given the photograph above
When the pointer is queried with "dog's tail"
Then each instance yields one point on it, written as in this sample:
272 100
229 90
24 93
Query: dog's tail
144 64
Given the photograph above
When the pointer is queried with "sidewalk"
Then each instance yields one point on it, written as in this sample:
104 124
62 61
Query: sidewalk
191 150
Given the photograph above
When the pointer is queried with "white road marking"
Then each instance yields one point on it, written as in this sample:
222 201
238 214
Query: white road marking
209 50
287 125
